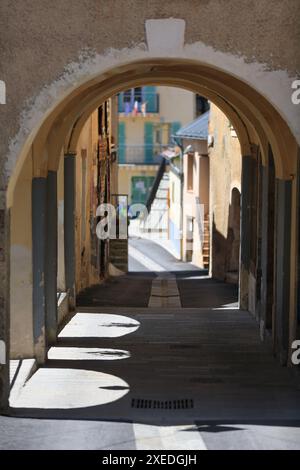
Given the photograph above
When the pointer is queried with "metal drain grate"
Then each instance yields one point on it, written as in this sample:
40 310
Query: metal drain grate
162 404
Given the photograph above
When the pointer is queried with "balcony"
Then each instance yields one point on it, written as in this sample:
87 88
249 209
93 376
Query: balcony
146 103
148 154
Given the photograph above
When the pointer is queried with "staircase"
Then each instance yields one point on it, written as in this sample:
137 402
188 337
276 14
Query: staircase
206 243
157 220
118 254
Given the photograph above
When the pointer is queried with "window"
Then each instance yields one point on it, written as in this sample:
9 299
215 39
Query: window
158 139
190 172
138 94
139 99
202 105
127 96
133 94
161 133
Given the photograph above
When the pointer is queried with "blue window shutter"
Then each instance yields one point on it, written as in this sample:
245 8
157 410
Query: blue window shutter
150 97
148 139
175 126
120 102
121 142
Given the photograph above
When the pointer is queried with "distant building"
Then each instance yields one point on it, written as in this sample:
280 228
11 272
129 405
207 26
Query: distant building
205 185
225 190
194 200
148 117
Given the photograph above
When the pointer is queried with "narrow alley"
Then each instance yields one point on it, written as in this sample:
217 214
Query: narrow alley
149 226
144 365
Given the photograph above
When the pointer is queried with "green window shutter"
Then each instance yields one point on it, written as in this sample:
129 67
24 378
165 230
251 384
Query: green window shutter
150 96
140 188
175 126
148 140
121 142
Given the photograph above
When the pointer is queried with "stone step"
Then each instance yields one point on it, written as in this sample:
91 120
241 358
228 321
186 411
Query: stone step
155 230
113 242
118 262
120 255
160 203
120 266
162 194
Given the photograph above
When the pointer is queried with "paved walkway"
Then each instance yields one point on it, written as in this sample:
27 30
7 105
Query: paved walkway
161 376
150 264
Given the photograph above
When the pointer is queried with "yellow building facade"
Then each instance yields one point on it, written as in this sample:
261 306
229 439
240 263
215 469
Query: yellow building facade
148 117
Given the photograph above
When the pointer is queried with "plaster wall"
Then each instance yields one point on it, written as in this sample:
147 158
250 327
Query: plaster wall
85 174
176 104
199 194
252 58
126 172
21 328
225 174
134 128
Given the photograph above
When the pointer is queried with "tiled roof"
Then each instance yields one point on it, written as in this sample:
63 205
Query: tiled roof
197 129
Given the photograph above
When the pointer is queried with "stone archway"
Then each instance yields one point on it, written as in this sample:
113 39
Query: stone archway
57 114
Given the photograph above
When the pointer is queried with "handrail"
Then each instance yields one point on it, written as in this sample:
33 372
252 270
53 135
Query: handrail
158 178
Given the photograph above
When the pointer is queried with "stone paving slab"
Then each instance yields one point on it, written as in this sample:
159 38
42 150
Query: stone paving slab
214 358
132 376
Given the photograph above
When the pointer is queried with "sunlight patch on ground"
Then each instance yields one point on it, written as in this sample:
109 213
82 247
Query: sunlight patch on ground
144 260
99 325
150 437
51 388
87 354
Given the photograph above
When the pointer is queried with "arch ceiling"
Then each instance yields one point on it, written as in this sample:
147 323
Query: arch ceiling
252 115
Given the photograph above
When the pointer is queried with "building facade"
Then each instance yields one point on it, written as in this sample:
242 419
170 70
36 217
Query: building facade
192 141
209 195
224 153
148 117
86 177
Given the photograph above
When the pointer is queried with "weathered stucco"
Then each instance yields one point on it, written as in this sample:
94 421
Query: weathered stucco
21 267
63 58
225 175
33 35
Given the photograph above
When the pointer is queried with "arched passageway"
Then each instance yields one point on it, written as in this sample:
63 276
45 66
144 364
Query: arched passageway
269 187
